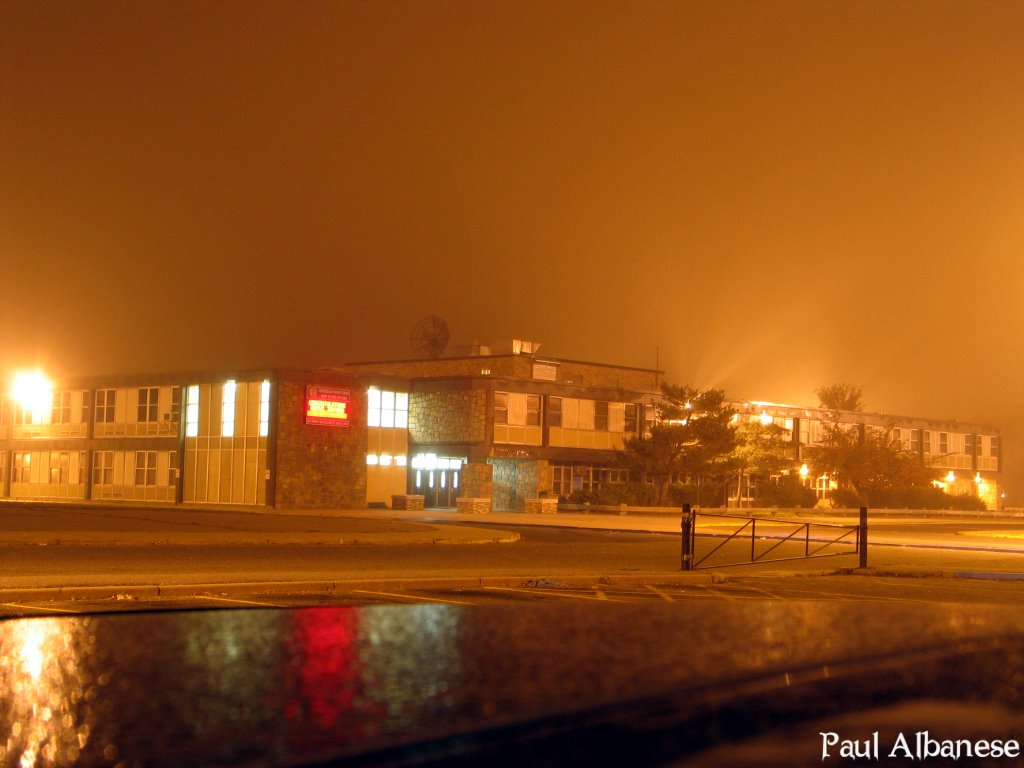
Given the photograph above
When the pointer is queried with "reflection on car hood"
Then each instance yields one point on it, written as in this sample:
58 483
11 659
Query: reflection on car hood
444 683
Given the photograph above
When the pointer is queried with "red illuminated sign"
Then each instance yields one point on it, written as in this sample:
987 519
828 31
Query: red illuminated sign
327 407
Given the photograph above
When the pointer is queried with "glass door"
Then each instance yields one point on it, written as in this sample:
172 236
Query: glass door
436 479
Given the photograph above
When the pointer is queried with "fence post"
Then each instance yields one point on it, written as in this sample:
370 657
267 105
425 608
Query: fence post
687 539
862 537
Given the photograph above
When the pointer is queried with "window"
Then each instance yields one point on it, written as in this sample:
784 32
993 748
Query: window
533 410
264 409
175 404
943 443
994 447
610 476
926 440
22 470
650 416
915 440
103 468
61 408
561 479
896 441
501 407
969 445
631 419
149 398
227 410
601 416
105 399
60 467
172 468
145 467
192 412
387 409
554 411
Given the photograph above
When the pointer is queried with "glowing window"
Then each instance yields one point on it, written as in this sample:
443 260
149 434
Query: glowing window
402 410
385 460
387 409
401 461
373 408
227 411
264 409
192 412
371 459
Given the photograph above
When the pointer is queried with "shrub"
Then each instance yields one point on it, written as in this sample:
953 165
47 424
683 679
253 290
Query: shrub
789 492
916 497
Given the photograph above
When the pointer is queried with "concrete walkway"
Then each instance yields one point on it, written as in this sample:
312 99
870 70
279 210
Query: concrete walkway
52 525
995 539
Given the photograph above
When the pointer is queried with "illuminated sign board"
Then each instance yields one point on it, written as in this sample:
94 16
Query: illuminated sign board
327 407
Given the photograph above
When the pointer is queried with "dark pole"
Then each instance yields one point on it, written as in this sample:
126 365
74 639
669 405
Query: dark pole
687 544
862 537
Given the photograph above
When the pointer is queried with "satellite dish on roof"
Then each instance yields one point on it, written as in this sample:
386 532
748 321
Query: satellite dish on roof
429 336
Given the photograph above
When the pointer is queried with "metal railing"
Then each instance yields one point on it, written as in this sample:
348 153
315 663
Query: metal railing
847 539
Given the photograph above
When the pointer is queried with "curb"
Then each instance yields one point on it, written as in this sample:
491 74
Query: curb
162 539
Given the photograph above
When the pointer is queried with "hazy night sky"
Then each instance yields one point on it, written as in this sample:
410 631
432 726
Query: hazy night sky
764 196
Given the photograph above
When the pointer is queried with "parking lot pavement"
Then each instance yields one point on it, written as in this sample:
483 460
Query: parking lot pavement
665 592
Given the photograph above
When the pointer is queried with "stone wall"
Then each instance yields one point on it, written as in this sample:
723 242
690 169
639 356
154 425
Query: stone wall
477 480
450 416
319 467
514 481
544 478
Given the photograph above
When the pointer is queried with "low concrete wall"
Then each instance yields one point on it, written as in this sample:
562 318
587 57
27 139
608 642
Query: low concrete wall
473 505
541 506
407 501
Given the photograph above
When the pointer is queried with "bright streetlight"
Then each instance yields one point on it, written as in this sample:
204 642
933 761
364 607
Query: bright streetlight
34 393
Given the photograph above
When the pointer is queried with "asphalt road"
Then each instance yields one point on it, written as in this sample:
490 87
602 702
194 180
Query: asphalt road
540 553
545 564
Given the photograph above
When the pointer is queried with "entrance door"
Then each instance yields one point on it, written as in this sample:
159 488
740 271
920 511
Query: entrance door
437 480
441 486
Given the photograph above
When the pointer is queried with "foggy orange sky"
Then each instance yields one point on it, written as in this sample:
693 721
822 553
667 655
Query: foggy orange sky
760 196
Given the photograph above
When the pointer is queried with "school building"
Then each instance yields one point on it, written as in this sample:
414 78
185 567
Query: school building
502 430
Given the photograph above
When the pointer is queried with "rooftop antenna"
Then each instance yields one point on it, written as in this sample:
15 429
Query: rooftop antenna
429 337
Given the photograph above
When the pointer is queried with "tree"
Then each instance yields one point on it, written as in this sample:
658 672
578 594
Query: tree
691 438
840 397
866 461
760 450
